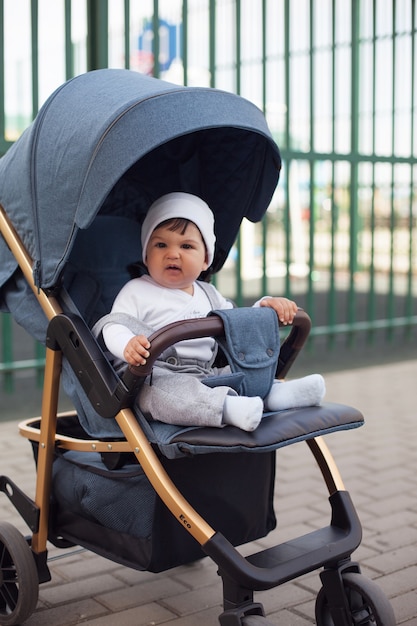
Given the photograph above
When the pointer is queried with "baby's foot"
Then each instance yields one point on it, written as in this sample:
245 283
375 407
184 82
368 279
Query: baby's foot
243 412
298 393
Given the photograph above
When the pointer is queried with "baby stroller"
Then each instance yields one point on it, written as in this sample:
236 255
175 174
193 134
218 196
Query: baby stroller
74 190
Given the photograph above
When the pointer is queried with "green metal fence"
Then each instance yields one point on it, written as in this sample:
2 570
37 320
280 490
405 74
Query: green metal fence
336 80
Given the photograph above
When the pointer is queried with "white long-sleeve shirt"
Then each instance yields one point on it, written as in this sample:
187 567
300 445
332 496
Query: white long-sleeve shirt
157 306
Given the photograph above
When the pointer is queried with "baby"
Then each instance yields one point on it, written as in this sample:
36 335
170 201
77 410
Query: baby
178 243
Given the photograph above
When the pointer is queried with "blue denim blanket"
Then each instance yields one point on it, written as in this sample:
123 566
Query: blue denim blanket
251 346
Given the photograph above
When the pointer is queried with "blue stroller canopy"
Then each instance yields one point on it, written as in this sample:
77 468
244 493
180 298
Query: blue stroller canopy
112 141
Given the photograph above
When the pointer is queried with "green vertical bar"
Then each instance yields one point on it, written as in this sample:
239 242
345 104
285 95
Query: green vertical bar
390 300
127 33
408 302
411 242
310 289
312 200
7 356
371 315
185 40
156 48
238 276
334 213
372 291
40 357
332 267
287 227
35 59
264 234
69 54
354 163
97 34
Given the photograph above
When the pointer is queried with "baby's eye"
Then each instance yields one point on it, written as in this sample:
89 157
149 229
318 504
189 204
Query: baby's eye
186 246
160 244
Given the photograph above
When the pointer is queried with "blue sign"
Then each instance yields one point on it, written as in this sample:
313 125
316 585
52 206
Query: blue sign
170 48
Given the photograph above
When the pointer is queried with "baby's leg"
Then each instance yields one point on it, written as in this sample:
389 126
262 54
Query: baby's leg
177 398
298 393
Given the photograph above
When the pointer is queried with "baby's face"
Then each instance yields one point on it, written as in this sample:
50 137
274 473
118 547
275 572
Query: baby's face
174 259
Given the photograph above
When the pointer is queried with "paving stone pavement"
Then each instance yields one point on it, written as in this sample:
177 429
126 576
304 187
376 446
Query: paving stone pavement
378 464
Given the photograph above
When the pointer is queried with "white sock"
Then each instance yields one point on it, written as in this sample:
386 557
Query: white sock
298 393
243 412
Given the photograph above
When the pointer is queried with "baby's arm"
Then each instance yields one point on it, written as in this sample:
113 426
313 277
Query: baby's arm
285 309
125 345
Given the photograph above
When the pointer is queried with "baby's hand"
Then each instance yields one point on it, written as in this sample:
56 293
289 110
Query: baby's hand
137 350
285 309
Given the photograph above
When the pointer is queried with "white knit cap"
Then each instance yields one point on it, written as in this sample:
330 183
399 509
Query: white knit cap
180 205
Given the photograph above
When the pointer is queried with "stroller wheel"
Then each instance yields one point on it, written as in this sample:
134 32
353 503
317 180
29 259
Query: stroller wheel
19 586
368 605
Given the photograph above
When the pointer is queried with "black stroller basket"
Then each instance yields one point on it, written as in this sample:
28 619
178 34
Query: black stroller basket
182 492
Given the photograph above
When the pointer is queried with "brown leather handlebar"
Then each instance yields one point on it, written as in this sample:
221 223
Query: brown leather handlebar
213 327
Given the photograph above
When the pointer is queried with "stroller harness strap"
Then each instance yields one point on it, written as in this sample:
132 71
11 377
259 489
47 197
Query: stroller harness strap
251 345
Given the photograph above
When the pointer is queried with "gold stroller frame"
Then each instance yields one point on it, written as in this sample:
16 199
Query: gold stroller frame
238 605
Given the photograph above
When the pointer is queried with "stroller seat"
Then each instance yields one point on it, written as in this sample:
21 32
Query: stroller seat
93 281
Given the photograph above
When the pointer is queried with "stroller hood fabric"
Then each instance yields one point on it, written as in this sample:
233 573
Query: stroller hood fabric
97 130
